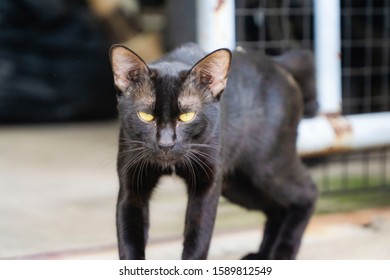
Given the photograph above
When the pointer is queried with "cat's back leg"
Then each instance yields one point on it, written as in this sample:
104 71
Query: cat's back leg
239 188
287 202
299 194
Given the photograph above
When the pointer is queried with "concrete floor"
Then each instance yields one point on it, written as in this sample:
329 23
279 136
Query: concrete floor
58 189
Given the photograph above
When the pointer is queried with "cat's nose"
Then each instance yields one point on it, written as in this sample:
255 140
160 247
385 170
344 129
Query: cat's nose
166 147
166 139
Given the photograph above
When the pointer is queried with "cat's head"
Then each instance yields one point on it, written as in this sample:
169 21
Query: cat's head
169 110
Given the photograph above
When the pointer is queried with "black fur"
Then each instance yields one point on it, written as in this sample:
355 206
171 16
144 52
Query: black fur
241 143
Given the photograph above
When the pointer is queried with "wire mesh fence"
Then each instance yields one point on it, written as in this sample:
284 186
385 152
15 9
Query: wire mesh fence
274 26
365 29
354 171
277 26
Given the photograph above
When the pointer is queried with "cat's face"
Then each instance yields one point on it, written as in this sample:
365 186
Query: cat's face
169 110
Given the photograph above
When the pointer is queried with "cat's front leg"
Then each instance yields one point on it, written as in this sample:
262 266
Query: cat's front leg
200 219
132 225
132 216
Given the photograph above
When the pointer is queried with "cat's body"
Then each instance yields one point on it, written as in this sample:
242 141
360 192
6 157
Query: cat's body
241 143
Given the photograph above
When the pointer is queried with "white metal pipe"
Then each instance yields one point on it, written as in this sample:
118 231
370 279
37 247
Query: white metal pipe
325 134
328 54
215 24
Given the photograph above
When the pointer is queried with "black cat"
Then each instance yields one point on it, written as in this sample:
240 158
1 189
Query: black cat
175 118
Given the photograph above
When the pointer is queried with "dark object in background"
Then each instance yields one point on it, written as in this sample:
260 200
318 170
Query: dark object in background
181 23
53 63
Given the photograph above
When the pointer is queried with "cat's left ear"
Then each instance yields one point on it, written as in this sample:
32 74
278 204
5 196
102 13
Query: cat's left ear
212 71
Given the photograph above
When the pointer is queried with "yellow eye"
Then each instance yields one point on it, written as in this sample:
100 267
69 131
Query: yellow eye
187 117
145 117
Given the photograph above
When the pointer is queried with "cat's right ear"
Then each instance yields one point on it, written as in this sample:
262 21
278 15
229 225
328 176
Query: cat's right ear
127 67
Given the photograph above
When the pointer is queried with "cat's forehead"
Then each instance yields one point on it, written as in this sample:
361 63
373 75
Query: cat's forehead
169 85
165 88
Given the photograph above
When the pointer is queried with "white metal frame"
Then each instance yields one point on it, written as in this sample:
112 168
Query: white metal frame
329 131
328 55
326 133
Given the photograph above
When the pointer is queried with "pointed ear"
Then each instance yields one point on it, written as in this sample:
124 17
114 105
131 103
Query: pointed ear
127 67
212 71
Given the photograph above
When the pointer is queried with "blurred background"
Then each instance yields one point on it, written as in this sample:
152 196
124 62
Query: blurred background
58 126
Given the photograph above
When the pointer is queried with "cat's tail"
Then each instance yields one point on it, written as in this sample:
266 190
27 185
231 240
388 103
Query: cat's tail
300 63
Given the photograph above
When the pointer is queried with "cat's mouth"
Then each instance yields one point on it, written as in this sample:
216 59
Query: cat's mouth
167 158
